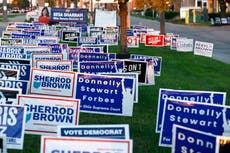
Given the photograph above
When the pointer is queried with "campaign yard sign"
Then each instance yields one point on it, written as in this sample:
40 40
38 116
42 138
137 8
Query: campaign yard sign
13 125
10 41
87 40
139 67
113 131
64 65
210 97
9 74
131 75
105 94
84 56
132 41
29 50
52 83
203 48
44 113
12 49
154 40
9 95
184 44
209 118
109 39
156 60
15 84
68 15
84 145
95 67
104 47
47 39
70 36
190 140
49 57
24 69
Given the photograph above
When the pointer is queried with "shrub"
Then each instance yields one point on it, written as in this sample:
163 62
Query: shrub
171 15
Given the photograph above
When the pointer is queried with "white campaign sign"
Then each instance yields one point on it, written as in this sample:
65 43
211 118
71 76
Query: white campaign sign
203 48
84 145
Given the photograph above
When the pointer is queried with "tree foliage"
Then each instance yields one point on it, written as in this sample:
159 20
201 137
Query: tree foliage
158 5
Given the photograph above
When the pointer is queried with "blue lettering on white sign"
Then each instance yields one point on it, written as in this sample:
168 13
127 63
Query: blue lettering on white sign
49 113
52 82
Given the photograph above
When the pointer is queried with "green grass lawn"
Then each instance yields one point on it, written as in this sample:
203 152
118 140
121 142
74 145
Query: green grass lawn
183 71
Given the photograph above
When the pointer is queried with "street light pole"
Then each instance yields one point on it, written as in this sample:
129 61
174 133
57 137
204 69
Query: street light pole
5 18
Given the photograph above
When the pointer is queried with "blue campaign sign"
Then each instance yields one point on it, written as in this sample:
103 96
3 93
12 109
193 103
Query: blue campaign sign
209 118
21 35
83 56
87 40
105 94
173 43
157 61
130 32
116 131
190 140
190 95
110 39
12 125
55 48
24 69
15 84
68 15
12 56
95 67
12 49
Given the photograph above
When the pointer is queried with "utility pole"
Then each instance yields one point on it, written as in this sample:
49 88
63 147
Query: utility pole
5 18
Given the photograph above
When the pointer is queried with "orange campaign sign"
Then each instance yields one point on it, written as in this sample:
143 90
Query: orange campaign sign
154 40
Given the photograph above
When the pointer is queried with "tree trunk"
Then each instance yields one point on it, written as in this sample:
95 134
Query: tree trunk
123 13
222 8
162 23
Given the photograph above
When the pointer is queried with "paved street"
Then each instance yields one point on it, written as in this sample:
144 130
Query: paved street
219 35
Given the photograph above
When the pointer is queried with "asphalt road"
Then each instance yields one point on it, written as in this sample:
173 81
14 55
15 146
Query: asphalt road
218 35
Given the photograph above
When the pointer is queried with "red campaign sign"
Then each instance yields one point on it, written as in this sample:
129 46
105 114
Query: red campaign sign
154 40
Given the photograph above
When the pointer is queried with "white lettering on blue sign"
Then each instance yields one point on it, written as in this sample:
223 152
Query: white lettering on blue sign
8 116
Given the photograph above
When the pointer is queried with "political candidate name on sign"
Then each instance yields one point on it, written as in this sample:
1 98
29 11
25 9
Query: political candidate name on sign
156 60
105 94
211 97
47 39
139 67
131 75
53 83
10 41
24 69
13 125
184 44
12 56
49 57
209 118
96 67
64 65
87 40
21 35
104 47
83 56
154 40
110 39
190 140
29 50
84 145
203 48
113 131
15 84
70 36
68 15
44 114
12 49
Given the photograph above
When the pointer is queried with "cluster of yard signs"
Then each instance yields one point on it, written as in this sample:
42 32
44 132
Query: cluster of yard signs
193 121
41 93
150 37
